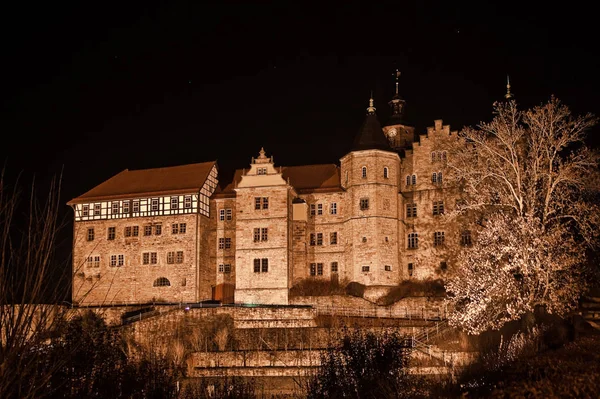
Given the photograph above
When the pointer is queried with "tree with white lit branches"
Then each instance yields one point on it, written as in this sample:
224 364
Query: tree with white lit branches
529 187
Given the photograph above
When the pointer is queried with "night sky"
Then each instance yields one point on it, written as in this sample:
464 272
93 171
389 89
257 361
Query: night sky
92 88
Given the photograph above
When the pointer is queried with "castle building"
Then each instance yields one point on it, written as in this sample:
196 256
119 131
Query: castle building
174 234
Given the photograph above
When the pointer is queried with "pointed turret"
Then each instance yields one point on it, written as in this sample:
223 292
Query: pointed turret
370 136
508 95
397 105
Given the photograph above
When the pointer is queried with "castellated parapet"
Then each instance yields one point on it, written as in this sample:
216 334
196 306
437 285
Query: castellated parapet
175 235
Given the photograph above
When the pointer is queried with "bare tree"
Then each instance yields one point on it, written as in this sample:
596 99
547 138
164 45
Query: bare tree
528 188
29 289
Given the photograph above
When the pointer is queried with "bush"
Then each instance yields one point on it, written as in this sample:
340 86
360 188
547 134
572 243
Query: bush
411 288
356 289
317 287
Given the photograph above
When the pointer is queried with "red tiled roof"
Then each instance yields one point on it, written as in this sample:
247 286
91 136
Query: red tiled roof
169 180
302 178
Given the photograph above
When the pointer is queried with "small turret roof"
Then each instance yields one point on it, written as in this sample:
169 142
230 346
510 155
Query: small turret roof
370 135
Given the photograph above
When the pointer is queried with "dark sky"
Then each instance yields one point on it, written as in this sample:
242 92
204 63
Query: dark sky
92 88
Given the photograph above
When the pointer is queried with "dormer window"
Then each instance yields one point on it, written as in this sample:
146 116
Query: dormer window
261 171
386 173
364 172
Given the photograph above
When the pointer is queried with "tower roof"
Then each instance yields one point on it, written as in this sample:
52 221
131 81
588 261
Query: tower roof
370 135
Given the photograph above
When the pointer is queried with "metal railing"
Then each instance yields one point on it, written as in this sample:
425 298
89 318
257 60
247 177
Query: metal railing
408 313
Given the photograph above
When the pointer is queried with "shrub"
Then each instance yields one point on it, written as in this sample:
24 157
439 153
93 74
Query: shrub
356 289
317 287
411 288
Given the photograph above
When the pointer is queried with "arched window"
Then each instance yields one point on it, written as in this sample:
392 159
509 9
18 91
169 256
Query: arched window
414 179
439 177
444 156
386 173
161 282
364 172
433 156
439 156
434 178
408 180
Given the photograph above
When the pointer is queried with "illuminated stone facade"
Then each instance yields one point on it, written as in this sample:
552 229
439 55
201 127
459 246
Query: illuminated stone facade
376 218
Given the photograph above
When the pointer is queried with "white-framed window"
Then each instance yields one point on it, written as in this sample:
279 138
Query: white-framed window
97 261
85 210
221 268
333 208
154 204
366 269
413 240
364 172
187 201
222 215
438 238
90 234
97 209
112 233
174 202
126 207
121 260
115 207
386 173
136 206
319 209
261 171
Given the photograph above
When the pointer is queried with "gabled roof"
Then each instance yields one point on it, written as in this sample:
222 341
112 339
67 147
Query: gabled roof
371 136
303 178
158 181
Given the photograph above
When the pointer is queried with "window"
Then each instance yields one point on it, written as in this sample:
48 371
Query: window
408 180
414 180
153 258
182 228
388 268
411 269
135 231
117 260
364 172
364 204
443 266
146 258
229 214
334 267
154 204
227 268
333 208
333 238
319 209
386 173
183 282
319 238
174 202
261 203
136 206
256 234
115 208
222 214
256 265
187 201
112 233
158 229
113 260
316 269
96 261
438 208
221 243
444 156
264 234
227 243
366 269
179 257
436 178
411 210
90 261
264 265
121 260
465 238
313 240
128 231
86 210
261 171
433 156
126 207
161 282
170 257
175 228
90 234
438 238
221 268
148 230
413 240
97 209
313 209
